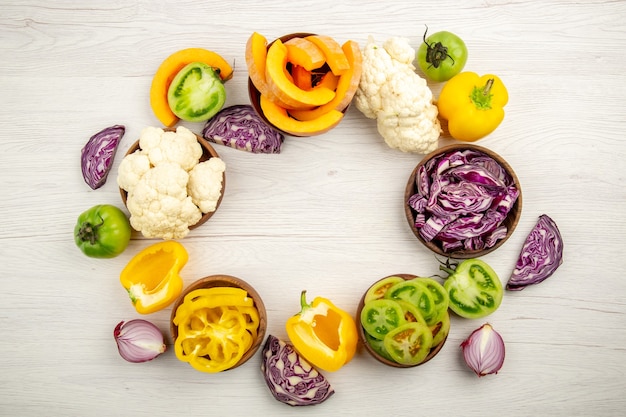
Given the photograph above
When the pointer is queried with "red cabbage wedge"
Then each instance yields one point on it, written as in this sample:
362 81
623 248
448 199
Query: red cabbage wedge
541 255
290 378
96 157
241 128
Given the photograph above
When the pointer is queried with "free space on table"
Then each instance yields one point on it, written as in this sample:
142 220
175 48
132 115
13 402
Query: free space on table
325 215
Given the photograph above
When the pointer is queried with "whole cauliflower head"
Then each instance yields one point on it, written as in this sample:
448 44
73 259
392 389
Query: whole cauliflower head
159 205
205 184
398 98
168 188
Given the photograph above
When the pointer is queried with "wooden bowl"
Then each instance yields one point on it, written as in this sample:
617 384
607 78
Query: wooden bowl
226 281
433 351
207 152
255 95
510 222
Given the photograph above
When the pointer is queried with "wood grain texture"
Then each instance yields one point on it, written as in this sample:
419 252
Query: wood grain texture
325 215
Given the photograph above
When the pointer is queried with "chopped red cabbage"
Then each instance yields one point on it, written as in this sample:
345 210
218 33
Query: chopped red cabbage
291 379
96 157
541 255
462 199
240 127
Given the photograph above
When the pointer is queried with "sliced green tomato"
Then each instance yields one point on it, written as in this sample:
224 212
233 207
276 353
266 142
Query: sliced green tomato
378 346
440 296
441 329
411 312
378 290
416 293
378 317
196 93
474 289
409 344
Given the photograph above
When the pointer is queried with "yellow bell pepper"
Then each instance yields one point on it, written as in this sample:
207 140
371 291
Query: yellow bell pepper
473 105
152 277
323 333
216 327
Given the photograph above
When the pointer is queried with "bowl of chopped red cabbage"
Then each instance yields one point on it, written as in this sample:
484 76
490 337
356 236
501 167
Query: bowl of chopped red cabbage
463 201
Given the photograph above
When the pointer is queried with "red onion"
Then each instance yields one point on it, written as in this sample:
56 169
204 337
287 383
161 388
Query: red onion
138 340
96 158
483 351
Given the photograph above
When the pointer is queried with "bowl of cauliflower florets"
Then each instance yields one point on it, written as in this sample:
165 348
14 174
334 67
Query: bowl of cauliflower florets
171 181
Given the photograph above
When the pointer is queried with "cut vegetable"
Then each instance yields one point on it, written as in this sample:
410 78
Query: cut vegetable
168 70
256 55
279 117
484 351
138 340
462 201
541 255
96 157
409 344
335 56
474 289
304 53
345 89
283 88
241 128
291 379
196 93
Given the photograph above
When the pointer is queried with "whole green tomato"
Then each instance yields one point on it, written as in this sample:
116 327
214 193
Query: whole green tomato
441 56
103 231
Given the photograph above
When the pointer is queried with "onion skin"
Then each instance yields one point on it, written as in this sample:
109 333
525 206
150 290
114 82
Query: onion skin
96 157
282 366
484 351
138 340
541 255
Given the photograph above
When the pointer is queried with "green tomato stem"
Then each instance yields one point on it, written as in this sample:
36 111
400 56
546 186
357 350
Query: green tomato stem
89 232
447 270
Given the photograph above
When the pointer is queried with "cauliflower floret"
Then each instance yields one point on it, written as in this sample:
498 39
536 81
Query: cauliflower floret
392 93
159 205
205 184
150 138
131 169
400 50
181 146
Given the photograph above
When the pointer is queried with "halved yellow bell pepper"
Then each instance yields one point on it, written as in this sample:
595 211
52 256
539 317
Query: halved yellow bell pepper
473 105
152 277
323 333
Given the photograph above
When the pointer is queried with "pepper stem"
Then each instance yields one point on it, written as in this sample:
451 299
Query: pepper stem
487 87
481 96
303 302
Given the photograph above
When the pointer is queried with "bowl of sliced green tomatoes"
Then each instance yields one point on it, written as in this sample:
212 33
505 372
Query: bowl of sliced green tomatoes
403 320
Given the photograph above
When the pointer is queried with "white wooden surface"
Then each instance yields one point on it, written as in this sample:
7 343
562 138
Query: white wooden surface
325 215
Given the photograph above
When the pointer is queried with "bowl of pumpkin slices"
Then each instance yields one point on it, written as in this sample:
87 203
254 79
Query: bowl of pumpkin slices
302 83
